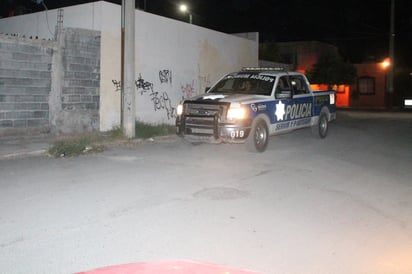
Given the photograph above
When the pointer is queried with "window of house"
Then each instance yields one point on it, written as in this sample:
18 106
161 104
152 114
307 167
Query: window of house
366 85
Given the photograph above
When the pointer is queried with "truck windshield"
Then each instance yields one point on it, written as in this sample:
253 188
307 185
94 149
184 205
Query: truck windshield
245 84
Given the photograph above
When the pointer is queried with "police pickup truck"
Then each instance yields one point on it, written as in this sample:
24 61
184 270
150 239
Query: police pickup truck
250 105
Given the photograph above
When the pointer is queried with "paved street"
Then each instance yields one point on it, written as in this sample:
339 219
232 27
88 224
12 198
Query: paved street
338 205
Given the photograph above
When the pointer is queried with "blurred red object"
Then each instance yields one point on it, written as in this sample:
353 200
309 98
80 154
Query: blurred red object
168 267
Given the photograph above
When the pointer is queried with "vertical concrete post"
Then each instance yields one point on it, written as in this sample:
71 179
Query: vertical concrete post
129 105
55 96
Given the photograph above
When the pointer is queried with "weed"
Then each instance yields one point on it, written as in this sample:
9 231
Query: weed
150 130
90 143
75 146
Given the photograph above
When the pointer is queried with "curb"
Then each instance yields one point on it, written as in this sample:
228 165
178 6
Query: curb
39 152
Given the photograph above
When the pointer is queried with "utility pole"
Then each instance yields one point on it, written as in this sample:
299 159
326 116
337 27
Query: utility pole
128 69
391 54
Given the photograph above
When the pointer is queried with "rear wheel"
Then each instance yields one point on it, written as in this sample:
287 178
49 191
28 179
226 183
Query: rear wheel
258 138
321 128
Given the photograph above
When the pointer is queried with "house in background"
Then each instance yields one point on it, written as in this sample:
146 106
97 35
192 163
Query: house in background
368 91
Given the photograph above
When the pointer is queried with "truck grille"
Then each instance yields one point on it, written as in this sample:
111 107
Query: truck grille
202 119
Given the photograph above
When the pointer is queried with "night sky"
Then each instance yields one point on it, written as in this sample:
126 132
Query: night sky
360 28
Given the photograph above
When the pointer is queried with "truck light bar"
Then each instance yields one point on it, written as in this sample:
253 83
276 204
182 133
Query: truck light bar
263 69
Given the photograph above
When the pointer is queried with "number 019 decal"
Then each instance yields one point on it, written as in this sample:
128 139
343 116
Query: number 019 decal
237 134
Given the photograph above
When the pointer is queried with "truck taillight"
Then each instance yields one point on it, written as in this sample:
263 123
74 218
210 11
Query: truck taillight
332 98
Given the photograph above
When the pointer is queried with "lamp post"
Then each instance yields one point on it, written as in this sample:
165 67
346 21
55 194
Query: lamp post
391 54
185 9
386 66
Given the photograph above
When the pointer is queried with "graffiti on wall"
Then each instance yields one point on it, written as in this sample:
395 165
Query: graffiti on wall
143 85
203 80
187 90
117 85
165 76
160 99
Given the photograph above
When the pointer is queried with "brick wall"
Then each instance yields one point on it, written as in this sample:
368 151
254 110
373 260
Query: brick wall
25 82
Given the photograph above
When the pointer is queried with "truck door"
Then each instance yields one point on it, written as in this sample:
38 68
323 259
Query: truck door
300 110
283 98
293 104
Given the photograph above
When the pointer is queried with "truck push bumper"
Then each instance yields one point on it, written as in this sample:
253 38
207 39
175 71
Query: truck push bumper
209 130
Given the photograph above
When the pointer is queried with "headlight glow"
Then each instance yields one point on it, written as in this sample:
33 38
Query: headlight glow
179 109
236 113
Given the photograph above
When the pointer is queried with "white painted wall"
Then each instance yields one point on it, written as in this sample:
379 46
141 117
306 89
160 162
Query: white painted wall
190 57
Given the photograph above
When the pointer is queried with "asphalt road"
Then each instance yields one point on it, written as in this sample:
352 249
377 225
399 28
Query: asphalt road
338 205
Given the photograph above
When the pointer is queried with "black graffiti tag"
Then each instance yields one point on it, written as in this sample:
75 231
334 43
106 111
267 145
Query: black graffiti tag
165 76
160 101
163 102
143 85
117 85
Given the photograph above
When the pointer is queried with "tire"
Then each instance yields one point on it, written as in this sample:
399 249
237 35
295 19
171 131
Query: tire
258 138
321 128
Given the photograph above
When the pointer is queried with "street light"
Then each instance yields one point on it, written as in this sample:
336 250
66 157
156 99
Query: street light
386 63
184 8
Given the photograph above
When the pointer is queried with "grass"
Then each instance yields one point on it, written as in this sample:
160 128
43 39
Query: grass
78 145
94 142
149 130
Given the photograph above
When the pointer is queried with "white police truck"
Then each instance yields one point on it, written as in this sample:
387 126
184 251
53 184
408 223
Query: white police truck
250 105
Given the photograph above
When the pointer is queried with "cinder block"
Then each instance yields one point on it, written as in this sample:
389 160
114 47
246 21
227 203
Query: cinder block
24 98
36 90
73 90
37 122
40 114
44 106
20 123
77 67
86 98
20 56
27 106
6 123
7 106
92 106
6 90
40 98
22 115
73 98
7 98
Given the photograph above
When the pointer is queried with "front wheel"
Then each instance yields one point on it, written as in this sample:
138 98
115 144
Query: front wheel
258 138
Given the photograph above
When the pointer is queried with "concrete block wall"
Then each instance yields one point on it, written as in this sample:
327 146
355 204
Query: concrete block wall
81 63
50 86
80 95
25 83
175 59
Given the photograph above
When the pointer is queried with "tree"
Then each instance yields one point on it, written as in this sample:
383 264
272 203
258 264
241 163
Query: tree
269 52
331 69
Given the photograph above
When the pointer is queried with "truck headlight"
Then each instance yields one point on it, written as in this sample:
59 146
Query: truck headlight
179 109
236 113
